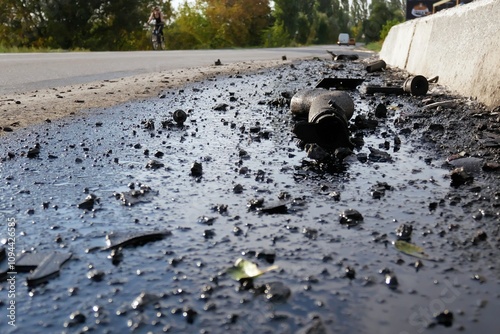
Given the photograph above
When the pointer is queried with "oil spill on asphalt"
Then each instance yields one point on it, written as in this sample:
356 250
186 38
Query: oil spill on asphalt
330 277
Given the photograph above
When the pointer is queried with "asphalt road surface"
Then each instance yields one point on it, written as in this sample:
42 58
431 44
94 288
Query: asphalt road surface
24 72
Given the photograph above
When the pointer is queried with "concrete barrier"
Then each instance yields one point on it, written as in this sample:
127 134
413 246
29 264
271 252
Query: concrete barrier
461 45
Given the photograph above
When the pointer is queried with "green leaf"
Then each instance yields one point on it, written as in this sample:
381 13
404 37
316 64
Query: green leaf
410 249
247 269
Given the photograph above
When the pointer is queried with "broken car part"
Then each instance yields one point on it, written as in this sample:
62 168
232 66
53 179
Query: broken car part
417 86
376 66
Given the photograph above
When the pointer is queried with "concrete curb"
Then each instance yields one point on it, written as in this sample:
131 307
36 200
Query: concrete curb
460 45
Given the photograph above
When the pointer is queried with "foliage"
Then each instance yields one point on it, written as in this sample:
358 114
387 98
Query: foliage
386 27
197 24
381 11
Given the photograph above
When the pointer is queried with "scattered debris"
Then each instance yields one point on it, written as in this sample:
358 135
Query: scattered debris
444 104
136 196
89 202
460 177
378 65
351 217
34 151
154 164
404 232
391 281
180 116
444 318
196 169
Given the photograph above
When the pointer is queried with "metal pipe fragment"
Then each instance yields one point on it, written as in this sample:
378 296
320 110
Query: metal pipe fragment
375 66
417 85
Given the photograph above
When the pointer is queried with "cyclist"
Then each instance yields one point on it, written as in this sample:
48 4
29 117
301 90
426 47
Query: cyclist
157 15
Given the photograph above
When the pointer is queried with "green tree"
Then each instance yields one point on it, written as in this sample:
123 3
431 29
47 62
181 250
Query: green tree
359 15
190 30
70 24
220 24
286 22
381 12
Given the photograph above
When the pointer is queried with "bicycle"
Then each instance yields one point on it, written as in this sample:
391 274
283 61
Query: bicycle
157 38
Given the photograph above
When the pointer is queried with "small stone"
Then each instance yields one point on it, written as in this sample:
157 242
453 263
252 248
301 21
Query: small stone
189 314
381 111
76 318
180 116
480 236
404 232
350 273
154 164
459 177
391 281
196 169
444 318
95 275
89 202
277 292
351 217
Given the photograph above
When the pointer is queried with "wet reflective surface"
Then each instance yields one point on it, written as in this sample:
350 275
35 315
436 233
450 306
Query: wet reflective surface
231 183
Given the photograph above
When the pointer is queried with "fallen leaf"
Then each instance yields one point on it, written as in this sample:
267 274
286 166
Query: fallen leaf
247 269
410 249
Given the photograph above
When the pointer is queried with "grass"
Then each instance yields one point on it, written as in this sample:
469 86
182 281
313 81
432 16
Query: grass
374 46
24 49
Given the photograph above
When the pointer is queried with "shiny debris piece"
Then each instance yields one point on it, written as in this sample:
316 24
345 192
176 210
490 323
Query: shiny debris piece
351 217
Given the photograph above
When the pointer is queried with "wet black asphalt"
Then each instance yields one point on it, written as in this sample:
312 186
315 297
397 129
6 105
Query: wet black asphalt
256 197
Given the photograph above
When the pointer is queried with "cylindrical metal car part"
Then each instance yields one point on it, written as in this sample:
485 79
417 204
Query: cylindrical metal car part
328 115
301 101
375 66
417 85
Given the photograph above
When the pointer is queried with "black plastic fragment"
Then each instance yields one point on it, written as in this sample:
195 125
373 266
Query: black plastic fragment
27 262
339 83
279 208
123 239
48 268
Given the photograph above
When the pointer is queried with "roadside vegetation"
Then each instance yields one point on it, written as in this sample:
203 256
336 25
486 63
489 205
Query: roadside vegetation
101 25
